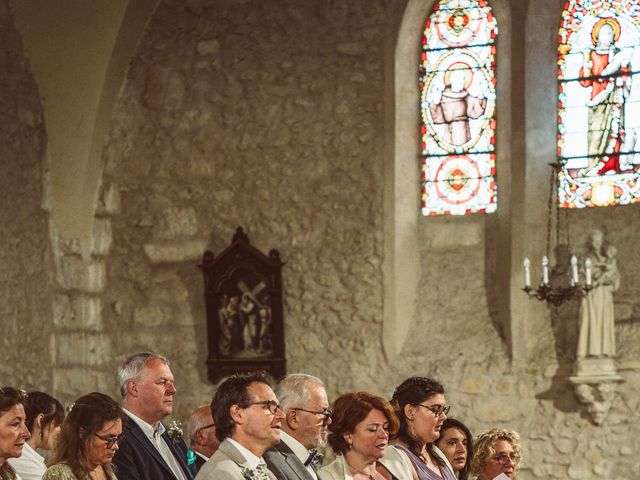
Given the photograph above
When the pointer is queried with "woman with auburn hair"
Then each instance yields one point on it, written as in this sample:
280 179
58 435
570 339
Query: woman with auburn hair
496 451
88 440
456 442
13 429
44 417
420 406
359 434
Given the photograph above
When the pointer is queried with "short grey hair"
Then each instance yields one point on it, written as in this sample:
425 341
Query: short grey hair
132 367
196 421
293 391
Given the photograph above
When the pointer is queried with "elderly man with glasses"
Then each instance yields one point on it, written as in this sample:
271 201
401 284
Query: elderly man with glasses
202 435
248 418
304 402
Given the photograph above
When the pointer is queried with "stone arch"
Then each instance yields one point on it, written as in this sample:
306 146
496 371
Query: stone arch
403 225
79 54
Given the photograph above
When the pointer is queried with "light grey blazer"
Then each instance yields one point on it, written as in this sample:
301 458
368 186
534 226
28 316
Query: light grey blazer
285 464
226 464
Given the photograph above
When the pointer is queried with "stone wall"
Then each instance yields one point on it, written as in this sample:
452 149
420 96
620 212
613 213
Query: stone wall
25 253
264 115
272 115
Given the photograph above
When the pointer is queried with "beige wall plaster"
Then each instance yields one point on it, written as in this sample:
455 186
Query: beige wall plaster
79 53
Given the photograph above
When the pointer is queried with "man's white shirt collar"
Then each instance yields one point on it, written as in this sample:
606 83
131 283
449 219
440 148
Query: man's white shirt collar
298 450
201 455
147 429
248 455
296 447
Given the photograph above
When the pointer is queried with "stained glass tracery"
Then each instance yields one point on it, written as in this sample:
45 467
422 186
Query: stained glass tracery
599 103
457 90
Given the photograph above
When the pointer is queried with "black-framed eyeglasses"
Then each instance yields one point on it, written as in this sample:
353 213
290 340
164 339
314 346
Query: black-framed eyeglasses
326 414
270 405
111 441
437 410
207 426
503 458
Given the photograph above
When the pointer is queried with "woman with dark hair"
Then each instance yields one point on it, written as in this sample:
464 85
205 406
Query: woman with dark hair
456 442
13 429
359 433
88 440
420 406
44 417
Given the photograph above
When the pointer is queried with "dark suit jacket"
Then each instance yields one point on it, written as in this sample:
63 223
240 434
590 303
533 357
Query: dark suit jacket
200 460
138 459
284 464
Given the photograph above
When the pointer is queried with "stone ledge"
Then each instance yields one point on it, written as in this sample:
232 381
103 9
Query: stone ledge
175 252
81 348
74 273
75 381
74 312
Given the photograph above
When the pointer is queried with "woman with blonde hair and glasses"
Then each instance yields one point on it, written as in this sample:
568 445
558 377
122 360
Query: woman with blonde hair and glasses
496 452
88 440
420 406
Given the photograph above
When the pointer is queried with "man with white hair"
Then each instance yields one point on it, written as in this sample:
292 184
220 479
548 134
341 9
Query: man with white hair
304 402
202 434
147 452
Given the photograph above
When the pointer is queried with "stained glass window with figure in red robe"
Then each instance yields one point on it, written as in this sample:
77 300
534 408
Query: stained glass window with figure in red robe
599 103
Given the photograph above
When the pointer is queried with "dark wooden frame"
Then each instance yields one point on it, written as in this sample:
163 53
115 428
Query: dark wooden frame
238 269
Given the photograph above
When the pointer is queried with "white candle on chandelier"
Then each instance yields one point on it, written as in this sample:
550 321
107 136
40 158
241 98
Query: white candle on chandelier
545 270
527 273
574 271
587 272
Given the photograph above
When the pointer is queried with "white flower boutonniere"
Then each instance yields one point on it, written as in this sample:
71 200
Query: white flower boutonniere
259 473
249 474
175 431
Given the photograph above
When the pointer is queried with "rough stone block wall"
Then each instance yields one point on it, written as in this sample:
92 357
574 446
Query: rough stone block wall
265 115
270 115
26 265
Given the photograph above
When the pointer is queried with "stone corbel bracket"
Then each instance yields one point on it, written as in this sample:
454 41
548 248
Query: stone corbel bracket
595 385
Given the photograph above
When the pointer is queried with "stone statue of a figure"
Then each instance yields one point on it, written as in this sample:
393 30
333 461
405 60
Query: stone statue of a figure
597 332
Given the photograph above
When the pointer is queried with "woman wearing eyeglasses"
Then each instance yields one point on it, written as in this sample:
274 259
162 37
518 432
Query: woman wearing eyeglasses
495 452
13 429
44 418
88 440
420 406
359 434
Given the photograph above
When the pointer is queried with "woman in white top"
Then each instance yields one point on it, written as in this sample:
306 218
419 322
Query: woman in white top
359 433
13 429
44 417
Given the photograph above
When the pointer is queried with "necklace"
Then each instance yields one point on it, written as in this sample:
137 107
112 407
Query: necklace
369 476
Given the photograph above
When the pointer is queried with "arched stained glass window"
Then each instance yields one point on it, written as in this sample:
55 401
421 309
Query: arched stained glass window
457 89
599 103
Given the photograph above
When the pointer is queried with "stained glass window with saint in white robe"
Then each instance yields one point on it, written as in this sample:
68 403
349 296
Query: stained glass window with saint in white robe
458 98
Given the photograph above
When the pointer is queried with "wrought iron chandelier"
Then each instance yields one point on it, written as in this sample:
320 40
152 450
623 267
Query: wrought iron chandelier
560 282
